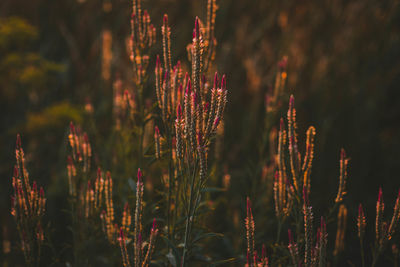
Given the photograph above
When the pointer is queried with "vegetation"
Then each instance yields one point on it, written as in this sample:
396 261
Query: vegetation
146 155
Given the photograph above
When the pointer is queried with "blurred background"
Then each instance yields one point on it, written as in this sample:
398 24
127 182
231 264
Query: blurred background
59 59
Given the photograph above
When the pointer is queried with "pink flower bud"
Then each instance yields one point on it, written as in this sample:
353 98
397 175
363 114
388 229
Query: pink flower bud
216 122
165 20
276 176
85 137
206 106
360 210
291 102
290 236
179 112
158 61
223 82
188 87
166 76
216 80
282 64
41 192
139 175
248 205
323 223
380 194
18 143
263 252
72 127
196 28
342 154
121 233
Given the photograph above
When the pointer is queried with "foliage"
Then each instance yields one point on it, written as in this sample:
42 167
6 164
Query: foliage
144 99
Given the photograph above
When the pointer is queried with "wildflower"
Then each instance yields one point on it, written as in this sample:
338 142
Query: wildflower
27 208
124 251
250 232
166 36
361 222
343 176
380 206
283 196
138 218
308 157
294 154
143 35
293 249
395 218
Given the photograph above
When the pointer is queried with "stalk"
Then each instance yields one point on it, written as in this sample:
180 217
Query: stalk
189 216
362 252
279 231
142 124
170 182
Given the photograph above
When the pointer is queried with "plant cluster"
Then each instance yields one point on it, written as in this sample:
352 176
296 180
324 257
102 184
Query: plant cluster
167 128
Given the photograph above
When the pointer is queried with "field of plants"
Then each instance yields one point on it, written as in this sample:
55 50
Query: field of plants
199 133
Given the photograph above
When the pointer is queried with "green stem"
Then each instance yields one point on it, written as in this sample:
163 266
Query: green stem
278 237
375 256
189 219
142 124
170 182
362 253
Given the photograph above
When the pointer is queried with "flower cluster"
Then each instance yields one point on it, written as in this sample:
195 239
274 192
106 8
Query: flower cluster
142 256
143 37
314 252
79 161
384 230
252 256
27 207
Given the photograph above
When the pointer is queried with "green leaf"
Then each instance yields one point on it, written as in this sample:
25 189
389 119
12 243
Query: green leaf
212 190
207 235
216 263
173 256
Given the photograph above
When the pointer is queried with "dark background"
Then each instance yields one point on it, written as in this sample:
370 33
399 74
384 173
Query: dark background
343 69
